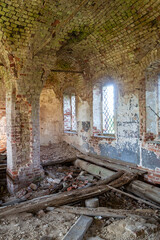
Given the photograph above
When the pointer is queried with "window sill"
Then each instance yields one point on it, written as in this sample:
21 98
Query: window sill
105 136
71 132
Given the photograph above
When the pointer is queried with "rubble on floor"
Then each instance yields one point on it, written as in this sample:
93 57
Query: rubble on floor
50 222
57 179
126 229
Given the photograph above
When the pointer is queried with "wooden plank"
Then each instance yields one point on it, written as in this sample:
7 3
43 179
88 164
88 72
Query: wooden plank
112 164
93 169
134 197
145 190
107 212
59 161
66 197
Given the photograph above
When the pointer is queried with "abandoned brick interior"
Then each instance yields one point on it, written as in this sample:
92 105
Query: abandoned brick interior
81 76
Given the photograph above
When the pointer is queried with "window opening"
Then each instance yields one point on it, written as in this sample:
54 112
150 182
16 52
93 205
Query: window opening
69 110
108 109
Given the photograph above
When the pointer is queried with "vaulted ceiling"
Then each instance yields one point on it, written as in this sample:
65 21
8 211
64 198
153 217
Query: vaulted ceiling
96 35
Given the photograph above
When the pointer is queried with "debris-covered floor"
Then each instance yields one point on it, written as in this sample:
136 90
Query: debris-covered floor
51 223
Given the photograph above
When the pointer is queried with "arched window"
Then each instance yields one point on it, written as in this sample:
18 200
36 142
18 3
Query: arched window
69 111
104 109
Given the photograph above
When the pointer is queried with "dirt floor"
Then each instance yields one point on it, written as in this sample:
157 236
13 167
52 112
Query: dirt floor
57 151
54 225
50 224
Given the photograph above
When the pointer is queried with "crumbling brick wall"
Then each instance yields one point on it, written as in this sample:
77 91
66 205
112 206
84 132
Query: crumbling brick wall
100 39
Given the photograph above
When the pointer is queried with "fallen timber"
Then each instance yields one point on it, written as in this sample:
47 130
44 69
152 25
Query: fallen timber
59 161
134 197
96 171
106 212
145 190
117 180
139 188
112 164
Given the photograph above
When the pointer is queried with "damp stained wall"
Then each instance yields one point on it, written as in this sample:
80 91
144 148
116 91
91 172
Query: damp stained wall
51 119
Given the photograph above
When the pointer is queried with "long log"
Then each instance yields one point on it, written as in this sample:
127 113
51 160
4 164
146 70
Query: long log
139 188
134 197
93 169
66 197
112 164
145 190
106 212
59 161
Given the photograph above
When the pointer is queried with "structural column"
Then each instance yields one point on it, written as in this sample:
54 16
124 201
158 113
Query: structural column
23 139
2 118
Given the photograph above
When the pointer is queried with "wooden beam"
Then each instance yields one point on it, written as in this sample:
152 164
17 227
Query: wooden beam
93 169
58 161
107 212
112 164
145 190
66 197
134 197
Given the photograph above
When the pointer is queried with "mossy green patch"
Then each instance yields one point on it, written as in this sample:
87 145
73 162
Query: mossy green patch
77 36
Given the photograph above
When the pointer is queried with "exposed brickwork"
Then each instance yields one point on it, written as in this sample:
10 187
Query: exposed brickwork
3 136
103 39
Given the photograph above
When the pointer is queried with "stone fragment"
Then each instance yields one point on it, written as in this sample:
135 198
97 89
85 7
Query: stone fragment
41 213
87 177
79 229
136 231
21 193
92 203
56 181
49 209
33 186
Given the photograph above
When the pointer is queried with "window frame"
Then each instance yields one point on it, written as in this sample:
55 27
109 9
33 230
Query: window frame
102 86
101 133
152 112
71 130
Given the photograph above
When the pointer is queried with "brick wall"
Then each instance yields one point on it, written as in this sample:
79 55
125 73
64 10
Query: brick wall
3 136
102 39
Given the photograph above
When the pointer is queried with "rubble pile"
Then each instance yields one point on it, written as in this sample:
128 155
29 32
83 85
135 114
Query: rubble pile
92 191
57 179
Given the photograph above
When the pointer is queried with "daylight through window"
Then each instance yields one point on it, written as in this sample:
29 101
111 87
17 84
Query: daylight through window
108 109
69 110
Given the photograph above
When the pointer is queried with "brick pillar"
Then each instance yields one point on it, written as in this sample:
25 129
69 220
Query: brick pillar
3 136
3 139
23 139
